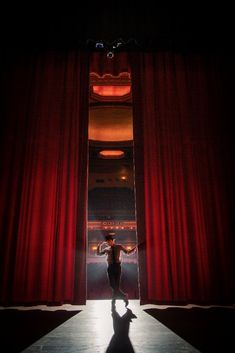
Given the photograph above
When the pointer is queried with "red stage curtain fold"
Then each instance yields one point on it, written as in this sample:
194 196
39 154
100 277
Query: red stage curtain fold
44 178
102 65
184 172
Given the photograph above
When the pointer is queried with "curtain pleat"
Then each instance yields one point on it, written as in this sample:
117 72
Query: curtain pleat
184 172
44 178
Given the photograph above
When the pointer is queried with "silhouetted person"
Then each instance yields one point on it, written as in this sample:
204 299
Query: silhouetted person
120 341
113 252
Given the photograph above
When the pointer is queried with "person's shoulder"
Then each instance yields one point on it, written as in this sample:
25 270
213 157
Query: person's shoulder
119 245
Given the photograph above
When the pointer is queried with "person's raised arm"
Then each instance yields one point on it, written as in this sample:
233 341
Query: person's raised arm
99 251
129 251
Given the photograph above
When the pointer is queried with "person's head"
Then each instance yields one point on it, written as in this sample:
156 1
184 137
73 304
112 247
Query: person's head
109 239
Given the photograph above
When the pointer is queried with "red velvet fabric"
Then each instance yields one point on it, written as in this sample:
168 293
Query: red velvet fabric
101 64
44 178
184 174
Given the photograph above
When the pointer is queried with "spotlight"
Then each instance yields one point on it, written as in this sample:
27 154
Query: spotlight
110 55
117 43
99 45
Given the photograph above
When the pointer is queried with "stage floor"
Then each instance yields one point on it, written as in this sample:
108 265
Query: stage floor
142 329
91 331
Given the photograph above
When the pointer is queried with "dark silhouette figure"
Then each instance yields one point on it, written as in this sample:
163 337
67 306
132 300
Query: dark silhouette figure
120 341
113 252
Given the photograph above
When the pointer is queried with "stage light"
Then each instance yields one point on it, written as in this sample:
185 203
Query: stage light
119 44
99 45
110 55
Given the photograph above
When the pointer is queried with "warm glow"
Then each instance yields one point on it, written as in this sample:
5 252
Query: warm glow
110 123
111 91
111 154
105 225
123 177
94 248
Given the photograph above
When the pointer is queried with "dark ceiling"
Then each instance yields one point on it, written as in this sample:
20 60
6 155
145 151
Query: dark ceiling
145 27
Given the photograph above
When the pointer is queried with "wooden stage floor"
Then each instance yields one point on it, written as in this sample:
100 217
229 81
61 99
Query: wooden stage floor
138 329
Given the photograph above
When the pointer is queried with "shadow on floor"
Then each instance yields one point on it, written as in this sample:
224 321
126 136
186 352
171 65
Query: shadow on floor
20 329
210 330
120 341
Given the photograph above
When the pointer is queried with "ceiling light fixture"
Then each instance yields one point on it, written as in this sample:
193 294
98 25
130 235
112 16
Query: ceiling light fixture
110 54
111 154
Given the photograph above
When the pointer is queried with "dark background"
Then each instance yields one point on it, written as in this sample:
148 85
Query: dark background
145 26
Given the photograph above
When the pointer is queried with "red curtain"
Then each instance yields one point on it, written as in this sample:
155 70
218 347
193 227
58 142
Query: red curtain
184 174
101 64
44 178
